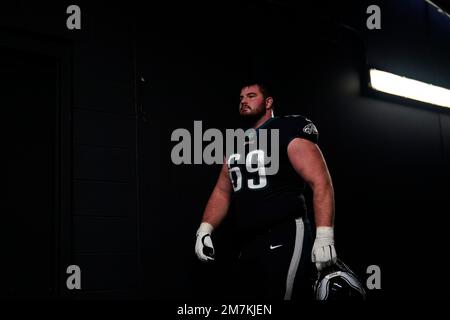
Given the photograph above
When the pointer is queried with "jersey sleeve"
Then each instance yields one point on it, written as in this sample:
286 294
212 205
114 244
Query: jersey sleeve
301 127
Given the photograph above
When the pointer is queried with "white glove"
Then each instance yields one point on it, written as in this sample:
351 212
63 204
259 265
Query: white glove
323 252
204 248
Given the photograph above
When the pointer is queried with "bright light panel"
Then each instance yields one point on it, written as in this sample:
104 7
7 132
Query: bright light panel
409 88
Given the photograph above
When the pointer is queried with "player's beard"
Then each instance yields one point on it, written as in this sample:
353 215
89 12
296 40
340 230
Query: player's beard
249 119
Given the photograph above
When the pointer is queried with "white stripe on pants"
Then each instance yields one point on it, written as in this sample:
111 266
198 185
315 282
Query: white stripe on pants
296 256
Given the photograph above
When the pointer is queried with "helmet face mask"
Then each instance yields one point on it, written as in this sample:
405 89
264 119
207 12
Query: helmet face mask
338 282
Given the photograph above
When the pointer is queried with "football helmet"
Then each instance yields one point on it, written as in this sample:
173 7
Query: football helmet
338 282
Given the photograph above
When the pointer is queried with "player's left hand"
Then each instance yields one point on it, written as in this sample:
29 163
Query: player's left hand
323 252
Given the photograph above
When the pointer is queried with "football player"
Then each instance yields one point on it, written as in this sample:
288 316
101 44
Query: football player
276 251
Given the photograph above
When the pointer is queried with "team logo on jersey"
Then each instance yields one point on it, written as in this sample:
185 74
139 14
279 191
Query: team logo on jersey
310 128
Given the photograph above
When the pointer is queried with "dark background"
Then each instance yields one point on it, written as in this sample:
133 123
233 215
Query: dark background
90 112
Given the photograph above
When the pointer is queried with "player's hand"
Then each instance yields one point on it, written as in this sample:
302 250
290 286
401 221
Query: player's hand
204 248
323 252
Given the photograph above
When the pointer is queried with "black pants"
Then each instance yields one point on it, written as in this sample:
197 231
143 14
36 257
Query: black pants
276 264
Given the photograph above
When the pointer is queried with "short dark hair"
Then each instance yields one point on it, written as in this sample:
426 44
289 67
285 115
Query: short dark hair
264 87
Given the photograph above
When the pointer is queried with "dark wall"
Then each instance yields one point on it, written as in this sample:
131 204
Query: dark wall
30 182
96 226
127 215
105 209
391 161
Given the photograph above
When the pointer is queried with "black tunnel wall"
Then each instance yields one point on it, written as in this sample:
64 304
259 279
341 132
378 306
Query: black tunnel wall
95 219
127 216
390 157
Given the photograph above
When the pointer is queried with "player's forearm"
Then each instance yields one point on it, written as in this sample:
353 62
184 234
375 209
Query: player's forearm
323 201
216 208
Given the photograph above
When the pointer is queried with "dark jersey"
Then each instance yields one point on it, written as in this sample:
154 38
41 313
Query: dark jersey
266 188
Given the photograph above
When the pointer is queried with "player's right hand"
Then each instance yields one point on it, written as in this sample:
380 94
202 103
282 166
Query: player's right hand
204 248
